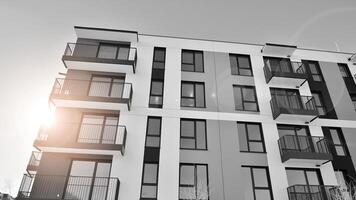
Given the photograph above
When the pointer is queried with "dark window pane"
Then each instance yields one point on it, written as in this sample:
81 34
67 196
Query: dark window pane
152 141
201 133
249 94
313 68
159 55
199 67
250 106
245 72
187 102
158 65
188 57
200 95
244 62
187 90
150 173
188 67
154 126
157 88
187 128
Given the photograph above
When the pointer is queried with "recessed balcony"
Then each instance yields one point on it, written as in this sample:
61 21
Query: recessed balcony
88 138
50 187
317 192
99 57
294 108
34 162
304 149
92 94
285 74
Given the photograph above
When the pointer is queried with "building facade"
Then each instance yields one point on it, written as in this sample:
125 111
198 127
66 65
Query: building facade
145 117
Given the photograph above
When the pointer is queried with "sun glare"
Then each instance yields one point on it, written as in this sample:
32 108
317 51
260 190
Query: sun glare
43 115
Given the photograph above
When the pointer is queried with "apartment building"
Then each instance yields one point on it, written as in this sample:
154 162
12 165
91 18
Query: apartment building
146 117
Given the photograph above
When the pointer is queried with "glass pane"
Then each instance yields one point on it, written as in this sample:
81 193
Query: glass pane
335 136
302 131
321 110
340 178
247 184
103 170
233 64
249 94
157 88
100 188
188 57
238 98
154 126
159 55
187 143
108 52
313 68
187 175
250 106
188 67
254 132
199 67
241 131
245 72
296 177
317 99
202 182
187 128
82 168
186 102
313 178
201 132
117 87
260 177
200 95
156 100
317 78
152 141
123 53
100 86
148 191
150 173
158 65
187 193
340 151
187 90
244 62
262 194
256 146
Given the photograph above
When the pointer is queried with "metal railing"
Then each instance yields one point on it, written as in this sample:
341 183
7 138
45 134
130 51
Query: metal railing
313 192
91 132
46 187
35 158
85 88
93 51
304 144
292 102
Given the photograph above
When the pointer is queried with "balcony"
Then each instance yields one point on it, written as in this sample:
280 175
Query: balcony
294 108
92 57
83 137
306 149
34 162
293 76
314 192
108 95
47 187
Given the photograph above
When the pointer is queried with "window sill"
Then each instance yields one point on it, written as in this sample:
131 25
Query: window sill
192 71
253 152
193 149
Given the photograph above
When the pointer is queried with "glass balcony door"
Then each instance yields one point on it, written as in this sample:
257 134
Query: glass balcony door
104 86
287 98
88 180
279 64
113 51
98 129
299 139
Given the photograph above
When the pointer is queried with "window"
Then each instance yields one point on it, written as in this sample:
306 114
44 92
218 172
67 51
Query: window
245 98
307 177
338 142
250 137
149 181
353 99
159 58
113 51
240 65
193 94
319 103
153 135
315 71
287 98
193 182
193 134
88 180
98 128
192 61
278 64
344 70
106 86
157 79
156 94
257 183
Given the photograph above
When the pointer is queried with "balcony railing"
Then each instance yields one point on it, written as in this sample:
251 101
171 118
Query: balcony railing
88 133
50 187
304 147
313 192
91 53
35 160
293 104
297 70
89 89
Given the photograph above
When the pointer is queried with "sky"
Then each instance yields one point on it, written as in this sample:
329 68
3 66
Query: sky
33 35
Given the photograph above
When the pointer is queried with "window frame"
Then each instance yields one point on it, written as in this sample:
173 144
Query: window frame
149 135
248 140
194 94
156 95
194 64
320 96
342 144
195 177
159 61
195 134
149 184
317 67
346 69
254 188
110 87
242 97
236 56
117 46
